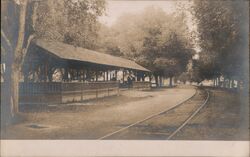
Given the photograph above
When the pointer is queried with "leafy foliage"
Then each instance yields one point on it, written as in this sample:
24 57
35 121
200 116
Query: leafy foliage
222 27
73 22
154 39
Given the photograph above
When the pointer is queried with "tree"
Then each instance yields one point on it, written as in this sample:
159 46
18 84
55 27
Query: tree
16 38
71 22
154 39
184 77
107 41
222 28
24 20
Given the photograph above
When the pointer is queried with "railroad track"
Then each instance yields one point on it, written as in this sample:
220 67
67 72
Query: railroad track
163 124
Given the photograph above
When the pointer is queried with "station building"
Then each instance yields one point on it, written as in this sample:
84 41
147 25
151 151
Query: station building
55 72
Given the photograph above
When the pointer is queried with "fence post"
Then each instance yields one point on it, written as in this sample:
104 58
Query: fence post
81 91
61 91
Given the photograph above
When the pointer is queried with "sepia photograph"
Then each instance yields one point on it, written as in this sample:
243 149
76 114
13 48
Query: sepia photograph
125 71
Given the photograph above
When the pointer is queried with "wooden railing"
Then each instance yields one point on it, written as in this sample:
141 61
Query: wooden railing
73 92
62 92
141 85
39 93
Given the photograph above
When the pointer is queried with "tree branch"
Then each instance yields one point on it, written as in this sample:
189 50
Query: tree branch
31 37
20 41
6 39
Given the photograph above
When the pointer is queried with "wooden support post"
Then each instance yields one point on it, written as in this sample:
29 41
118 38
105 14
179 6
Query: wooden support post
81 91
82 75
103 75
229 83
78 75
33 73
61 92
123 76
135 73
143 77
107 75
96 76
116 74
150 77
137 76
69 75
45 71
65 77
87 75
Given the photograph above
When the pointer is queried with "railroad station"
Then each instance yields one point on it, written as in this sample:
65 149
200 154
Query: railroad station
54 72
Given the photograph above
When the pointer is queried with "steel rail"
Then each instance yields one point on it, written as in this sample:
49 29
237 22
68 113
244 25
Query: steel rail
190 117
147 118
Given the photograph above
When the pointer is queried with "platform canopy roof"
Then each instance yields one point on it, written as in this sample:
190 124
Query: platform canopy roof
70 52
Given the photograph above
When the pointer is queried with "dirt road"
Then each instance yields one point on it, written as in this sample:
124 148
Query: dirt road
95 119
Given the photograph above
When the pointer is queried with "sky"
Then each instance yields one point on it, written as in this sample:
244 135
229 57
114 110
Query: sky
116 8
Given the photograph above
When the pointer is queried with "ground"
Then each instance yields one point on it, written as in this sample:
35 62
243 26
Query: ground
91 120
225 117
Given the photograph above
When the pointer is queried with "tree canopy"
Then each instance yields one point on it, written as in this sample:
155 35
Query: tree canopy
154 39
72 22
222 28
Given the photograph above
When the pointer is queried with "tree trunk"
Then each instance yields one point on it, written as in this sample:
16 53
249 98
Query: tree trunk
13 64
229 83
16 68
160 81
14 59
170 81
232 83
150 78
10 93
156 80
7 101
163 78
238 85
175 80
15 90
